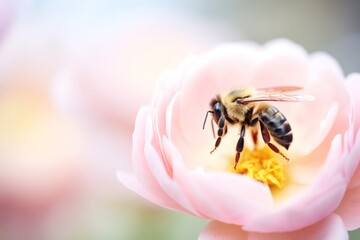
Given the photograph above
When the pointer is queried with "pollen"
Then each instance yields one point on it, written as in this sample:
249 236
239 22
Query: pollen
263 165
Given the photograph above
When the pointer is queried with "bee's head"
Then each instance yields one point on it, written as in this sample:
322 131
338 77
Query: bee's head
234 99
217 108
237 95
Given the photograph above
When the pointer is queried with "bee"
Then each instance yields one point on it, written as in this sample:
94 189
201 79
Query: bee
248 107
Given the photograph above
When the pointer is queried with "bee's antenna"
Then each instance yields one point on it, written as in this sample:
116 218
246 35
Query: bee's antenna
212 127
207 113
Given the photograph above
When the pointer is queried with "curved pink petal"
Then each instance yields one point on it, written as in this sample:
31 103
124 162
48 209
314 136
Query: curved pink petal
341 161
353 85
139 178
217 230
282 63
290 218
355 180
349 210
159 198
226 197
328 108
347 147
166 182
192 191
318 201
328 229
352 160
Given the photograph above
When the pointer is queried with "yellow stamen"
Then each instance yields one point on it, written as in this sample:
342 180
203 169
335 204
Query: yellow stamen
262 164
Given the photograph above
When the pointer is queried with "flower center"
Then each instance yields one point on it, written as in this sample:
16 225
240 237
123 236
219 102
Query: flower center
262 164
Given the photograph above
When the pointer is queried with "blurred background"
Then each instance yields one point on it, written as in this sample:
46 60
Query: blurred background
72 77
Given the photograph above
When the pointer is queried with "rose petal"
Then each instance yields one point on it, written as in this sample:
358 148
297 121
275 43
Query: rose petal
139 178
282 63
353 85
330 228
217 230
296 216
165 181
226 197
355 180
352 159
131 182
305 131
319 200
325 74
349 210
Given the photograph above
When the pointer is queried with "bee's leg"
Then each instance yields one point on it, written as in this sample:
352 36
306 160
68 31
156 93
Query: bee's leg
254 132
239 145
266 136
221 132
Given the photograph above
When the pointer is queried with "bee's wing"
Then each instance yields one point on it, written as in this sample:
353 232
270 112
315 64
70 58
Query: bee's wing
278 89
277 97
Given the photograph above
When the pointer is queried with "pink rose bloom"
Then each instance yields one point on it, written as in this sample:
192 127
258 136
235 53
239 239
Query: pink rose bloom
315 195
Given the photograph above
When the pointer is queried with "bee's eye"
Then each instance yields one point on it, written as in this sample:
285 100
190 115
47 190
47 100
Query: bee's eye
238 100
217 111
217 107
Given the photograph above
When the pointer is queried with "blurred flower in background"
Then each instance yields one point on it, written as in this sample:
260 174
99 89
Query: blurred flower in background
8 11
68 105
42 150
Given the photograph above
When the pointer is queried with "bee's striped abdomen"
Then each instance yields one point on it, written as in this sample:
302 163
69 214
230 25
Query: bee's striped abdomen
277 125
